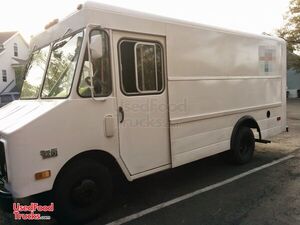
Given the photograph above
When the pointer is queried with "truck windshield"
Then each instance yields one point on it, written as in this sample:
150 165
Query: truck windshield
35 71
60 72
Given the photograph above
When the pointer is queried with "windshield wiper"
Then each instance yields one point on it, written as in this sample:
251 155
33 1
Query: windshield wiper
59 45
28 64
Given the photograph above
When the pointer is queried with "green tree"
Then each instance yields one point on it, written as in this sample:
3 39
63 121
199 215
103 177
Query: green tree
19 72
34 74
291 33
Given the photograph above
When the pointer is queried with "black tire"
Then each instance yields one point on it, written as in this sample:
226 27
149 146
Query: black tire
81 192
6 204
243 146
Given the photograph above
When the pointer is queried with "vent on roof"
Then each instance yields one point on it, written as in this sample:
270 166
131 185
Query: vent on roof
79 7
51 24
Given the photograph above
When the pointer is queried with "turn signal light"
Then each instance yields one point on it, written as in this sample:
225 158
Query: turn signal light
42 175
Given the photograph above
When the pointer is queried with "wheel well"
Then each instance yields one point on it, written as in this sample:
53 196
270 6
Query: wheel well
100 156
245 121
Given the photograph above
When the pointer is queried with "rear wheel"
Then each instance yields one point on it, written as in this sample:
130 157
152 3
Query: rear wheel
81 191
243 146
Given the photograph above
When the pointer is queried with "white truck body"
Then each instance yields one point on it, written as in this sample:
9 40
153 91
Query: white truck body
212 77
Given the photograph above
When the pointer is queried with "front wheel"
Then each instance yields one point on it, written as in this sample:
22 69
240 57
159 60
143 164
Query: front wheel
81 191
243 146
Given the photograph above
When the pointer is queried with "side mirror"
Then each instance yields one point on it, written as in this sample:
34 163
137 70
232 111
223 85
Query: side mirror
96 46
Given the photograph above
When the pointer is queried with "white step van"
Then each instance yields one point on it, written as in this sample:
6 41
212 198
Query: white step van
110 90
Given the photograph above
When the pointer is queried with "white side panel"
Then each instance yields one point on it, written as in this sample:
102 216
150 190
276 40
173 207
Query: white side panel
198 139
194 52
215 78
206 97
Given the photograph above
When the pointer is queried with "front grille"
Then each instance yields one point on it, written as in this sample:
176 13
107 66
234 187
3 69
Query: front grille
3 172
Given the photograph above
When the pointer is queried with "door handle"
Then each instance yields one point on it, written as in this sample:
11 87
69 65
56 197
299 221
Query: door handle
121 111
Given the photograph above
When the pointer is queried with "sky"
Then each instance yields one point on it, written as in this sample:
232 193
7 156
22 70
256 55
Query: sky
255 16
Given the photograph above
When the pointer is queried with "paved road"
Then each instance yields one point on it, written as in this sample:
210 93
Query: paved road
269 196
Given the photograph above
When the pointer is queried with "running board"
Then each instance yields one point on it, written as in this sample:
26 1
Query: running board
262 141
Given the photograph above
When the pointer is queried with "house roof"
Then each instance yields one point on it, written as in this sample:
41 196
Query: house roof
4 36
19 61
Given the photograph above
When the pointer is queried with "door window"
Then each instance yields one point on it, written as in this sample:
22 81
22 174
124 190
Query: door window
141 67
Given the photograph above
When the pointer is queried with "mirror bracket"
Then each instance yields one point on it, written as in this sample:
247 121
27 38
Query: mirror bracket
89 29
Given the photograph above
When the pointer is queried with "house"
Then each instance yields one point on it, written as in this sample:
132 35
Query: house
293 75
14 52
293 83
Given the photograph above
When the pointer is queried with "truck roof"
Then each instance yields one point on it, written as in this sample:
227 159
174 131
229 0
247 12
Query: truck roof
142 15
87 13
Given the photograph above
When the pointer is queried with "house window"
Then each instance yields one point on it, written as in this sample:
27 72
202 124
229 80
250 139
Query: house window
4 76
142 67
16 50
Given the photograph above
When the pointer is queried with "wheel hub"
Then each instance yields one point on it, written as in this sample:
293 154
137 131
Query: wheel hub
85 193
245 147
